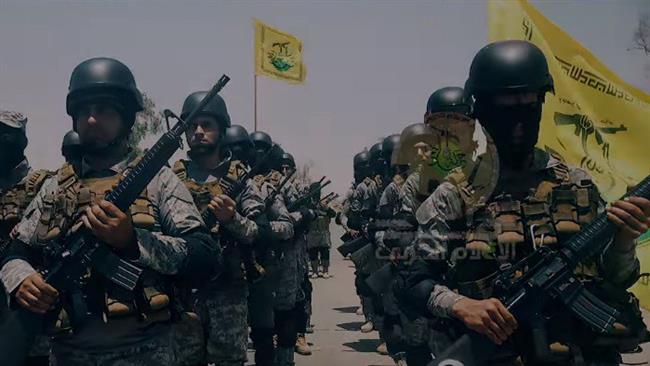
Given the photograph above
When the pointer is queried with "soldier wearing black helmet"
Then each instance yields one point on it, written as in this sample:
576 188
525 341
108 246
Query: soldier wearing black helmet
19 184
449 99
238 142
71 147
212 169
509 81
272 300
162 233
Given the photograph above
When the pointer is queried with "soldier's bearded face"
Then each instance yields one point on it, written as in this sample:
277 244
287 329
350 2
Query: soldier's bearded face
98 125
203 134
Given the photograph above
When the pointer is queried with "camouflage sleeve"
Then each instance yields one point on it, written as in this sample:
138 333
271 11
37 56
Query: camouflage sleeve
16 268
291 193
370 199
249 206
441 300
389 201
167 251
409 193
280 220
355 213
620 267
441 207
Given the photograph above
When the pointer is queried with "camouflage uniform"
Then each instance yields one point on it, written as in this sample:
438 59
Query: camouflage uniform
222 304
362 205
409 196
174 238
440 215
17 189
263 293
303 307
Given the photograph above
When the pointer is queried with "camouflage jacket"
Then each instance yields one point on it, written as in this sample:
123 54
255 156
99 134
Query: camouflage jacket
279 219
249 202
409 196
164 251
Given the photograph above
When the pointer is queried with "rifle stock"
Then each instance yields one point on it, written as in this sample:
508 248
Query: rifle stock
352 246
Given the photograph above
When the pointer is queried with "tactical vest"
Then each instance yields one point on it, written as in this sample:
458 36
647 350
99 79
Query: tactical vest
202 194
274 178
72 197
505 230
15 200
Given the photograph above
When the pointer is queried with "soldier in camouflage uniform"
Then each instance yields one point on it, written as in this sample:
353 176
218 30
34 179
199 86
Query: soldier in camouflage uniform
509 80
318 238
162 232
302 309
290 297
413 193
221 304
239 143
379 182
269 293
360 207
19 184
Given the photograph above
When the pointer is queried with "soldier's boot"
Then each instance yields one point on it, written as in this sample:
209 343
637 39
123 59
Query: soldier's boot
400 359
382 349
302 347
326 269
367 327
264 348
284 356
359 311
314 269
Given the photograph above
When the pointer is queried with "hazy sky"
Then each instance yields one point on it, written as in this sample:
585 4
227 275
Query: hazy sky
371 64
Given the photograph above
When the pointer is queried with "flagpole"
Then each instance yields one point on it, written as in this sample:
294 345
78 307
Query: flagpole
255 101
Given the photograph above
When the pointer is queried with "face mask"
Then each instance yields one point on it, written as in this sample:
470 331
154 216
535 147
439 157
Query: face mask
501 122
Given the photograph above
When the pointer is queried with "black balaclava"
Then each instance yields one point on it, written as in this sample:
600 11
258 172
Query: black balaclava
500 122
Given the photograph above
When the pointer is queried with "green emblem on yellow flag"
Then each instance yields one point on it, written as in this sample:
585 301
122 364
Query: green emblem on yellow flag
278 54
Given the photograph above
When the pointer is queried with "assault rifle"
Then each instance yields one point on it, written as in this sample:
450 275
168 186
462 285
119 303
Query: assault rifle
254 271
548 275
308 196
69 259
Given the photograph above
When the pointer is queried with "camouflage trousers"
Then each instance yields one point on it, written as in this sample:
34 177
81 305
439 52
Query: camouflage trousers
287 286
189 340
157 351
416 332
224 315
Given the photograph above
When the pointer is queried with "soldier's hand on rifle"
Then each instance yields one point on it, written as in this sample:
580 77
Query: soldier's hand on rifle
353 233
632 216
488 317
223 207
110 225
35 295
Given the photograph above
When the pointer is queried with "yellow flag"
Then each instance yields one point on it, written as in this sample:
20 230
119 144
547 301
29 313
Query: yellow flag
594 120
278 54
